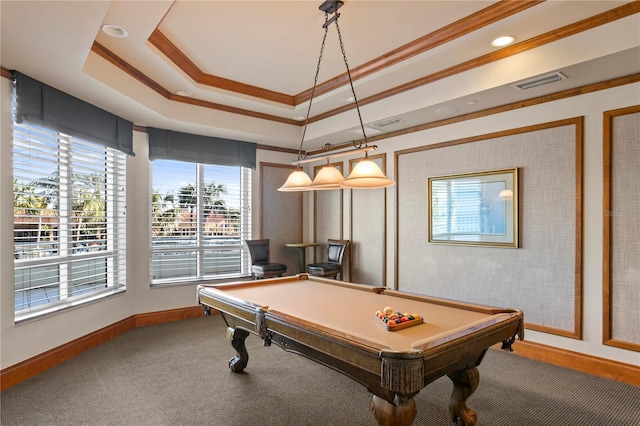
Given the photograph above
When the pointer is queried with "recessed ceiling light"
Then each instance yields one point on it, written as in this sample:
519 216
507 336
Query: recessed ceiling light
184 93
472 102
114 31
503 41
447 110
347 99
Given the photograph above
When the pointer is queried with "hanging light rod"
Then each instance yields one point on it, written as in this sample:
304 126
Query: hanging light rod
335 155
366 174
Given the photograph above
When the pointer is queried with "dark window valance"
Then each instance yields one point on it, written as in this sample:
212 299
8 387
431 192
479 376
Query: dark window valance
170 145
40 104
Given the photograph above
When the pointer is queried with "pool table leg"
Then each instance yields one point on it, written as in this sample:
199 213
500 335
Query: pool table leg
388 414
237 337
465 383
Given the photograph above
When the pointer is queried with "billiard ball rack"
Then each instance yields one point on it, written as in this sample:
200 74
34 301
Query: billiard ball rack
398 325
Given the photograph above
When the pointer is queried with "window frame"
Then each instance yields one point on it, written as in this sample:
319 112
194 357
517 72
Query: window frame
201 247
71 284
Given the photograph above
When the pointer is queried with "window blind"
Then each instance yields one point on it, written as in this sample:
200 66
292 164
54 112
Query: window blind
200 218
69 220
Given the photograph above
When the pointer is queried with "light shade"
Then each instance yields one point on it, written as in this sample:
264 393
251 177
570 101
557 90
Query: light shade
367 175
327 178
505 194
297 181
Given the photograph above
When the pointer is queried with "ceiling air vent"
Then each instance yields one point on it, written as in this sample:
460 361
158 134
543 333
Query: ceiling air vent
539 81
386 122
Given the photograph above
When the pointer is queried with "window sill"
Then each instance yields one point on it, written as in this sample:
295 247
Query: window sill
62 307
186 282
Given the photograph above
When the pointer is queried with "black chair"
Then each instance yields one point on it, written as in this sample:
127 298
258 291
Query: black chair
261 267
333 266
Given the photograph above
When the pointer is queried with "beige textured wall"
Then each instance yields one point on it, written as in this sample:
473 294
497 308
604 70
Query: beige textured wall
368 217
328 216
281 221
539 276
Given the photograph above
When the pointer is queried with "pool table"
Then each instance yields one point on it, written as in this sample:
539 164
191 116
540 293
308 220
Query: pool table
333 322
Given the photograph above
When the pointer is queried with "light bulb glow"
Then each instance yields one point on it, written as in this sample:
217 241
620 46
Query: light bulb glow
503 41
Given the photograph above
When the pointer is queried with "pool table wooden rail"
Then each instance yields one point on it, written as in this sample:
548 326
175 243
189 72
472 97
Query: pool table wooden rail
394 377
355 358
338 350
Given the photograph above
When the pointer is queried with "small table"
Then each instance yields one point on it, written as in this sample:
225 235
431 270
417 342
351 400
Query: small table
306 315
301 253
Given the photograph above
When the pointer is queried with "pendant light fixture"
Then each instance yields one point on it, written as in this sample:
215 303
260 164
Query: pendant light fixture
366 173
297 181
327 178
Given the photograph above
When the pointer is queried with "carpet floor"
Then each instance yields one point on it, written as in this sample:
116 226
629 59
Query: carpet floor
177 374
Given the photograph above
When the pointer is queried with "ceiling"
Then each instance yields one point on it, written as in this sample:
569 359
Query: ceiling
244 69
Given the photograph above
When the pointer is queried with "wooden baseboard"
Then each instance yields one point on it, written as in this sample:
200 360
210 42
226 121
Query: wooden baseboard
151 318
601 367
28 368
24 370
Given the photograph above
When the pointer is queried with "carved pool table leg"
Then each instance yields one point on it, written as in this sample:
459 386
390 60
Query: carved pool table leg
465 383
237 337
388 414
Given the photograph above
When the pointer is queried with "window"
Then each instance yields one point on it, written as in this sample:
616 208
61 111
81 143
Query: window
69 220
200 218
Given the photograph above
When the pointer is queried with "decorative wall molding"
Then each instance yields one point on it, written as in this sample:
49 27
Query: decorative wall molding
621 229
551 249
